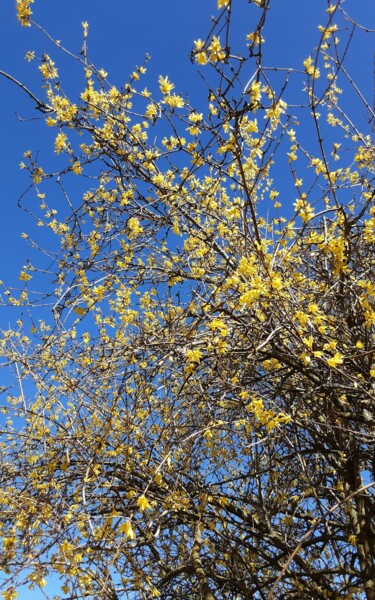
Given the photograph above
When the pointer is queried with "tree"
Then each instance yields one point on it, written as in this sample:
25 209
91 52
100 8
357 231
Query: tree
194 416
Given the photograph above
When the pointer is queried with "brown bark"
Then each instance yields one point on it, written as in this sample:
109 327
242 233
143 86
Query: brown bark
361 516
198 567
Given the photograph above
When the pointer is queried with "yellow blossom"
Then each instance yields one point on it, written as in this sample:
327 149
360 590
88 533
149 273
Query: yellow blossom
216 51
255 38
275 111
77 168
60 142
201 58
85 27
151 111
310 68
199 45
30 55
195 117
24 11
255 92
219 324
337 359
142 503
165 85
174 101
127 528
48 69
194 356
134 227
24 276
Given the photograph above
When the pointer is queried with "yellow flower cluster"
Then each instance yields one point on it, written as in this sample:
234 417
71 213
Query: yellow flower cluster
213 52
311 68
24 11
48 69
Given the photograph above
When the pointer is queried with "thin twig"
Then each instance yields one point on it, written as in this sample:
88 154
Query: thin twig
40 105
